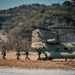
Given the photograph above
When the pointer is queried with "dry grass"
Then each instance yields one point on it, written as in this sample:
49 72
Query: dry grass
11 61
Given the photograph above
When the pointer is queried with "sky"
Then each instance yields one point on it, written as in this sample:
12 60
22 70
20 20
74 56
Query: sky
6 4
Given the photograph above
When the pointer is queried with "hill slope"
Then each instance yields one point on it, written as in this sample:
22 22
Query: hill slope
20 20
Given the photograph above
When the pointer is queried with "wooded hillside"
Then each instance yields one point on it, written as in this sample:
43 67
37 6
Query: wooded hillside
18 21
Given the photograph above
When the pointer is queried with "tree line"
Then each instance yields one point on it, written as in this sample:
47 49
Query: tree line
20 20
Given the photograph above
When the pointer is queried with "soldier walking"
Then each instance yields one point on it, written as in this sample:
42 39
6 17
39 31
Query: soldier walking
3 54
26 53
39 53
18 54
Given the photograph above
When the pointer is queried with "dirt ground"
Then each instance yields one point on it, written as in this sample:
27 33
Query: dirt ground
11 61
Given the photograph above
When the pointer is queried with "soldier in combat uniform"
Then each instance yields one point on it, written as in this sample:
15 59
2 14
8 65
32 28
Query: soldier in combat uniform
3 52
26 53
18 54
39 53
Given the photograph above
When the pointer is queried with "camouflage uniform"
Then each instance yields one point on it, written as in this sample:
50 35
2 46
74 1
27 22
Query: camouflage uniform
18 55
39 53
4 54
26 53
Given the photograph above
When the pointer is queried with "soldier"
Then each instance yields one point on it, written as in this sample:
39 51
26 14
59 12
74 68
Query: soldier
26 53
4 54
18 54
39 53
